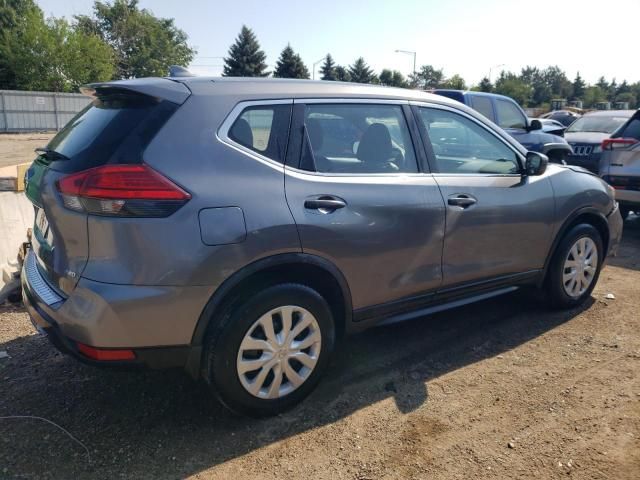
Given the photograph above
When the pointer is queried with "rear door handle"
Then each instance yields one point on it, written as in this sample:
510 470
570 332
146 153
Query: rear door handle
461 200
324 203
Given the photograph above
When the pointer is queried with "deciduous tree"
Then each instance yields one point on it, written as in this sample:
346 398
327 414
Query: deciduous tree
143 44
392 78
39 54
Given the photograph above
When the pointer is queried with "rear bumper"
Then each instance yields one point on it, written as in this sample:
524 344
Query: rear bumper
114 317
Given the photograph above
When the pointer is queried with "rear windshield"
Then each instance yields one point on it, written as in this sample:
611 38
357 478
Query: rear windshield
597 123
632 130
112 129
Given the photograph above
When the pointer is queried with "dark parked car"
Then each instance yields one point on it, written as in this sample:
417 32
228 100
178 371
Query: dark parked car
238 228
586 135
565 117
506 113
620 164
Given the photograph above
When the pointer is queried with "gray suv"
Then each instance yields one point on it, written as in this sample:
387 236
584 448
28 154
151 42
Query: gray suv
238 228
620 164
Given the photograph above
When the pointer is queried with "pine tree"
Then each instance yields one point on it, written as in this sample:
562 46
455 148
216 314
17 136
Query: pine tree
328 68
245 59
485 85
342 74
578 86
613 88
360 72
603 84
290 65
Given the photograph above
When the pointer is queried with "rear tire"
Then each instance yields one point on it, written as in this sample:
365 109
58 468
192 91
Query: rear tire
575 267
257 345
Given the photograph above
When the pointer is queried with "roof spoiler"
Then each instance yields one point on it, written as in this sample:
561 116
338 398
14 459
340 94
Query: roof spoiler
161 88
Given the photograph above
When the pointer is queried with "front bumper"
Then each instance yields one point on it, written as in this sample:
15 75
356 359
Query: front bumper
628 198
591 162
110 317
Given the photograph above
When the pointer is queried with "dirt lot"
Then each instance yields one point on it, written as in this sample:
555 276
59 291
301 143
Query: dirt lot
501 389
17 148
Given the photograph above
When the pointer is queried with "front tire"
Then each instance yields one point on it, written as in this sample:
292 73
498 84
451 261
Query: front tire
624 212
267 354
558 156
575 267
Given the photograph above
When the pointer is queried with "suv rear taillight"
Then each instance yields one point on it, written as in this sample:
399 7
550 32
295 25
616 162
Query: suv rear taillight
617 143
123 191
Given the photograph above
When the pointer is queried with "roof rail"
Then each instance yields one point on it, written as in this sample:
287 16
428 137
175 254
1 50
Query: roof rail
178 71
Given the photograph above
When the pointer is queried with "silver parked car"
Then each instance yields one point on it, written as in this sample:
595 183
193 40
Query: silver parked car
620 164
238 227
586 135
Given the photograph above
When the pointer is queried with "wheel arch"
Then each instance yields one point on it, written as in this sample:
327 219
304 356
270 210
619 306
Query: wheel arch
557 151
588 215
310 270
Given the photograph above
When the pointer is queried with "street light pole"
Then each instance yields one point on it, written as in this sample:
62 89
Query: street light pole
409 52
314 67
491 68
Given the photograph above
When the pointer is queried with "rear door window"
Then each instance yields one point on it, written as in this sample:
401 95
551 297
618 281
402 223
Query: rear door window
483 105
509 115
263 129
357 138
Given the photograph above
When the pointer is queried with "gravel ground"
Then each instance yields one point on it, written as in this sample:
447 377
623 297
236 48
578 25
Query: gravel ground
18 148
501 389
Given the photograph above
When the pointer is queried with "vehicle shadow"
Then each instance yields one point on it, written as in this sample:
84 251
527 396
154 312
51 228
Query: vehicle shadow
163 425
627 256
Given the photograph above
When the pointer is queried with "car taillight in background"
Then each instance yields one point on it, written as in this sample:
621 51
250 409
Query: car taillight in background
123 191
617 143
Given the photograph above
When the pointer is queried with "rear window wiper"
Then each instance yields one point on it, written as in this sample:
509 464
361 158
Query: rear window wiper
51 154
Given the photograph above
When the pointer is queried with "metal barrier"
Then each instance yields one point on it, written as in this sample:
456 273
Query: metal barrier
22 111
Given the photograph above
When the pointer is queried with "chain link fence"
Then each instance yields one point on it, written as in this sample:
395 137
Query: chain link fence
38 111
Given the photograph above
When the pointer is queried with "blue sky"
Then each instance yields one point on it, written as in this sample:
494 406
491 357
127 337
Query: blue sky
461 36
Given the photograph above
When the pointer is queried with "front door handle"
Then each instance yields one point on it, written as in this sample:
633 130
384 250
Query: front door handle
324 203
461 200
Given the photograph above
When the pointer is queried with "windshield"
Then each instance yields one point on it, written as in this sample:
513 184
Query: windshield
597 123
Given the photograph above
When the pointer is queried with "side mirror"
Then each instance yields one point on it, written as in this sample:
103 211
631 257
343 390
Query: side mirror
536 163
535 124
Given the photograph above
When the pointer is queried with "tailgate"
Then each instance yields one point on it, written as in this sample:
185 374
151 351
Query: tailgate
59 236
114 128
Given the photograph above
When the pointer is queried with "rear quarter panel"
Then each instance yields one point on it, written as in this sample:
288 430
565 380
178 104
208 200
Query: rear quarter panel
171 251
